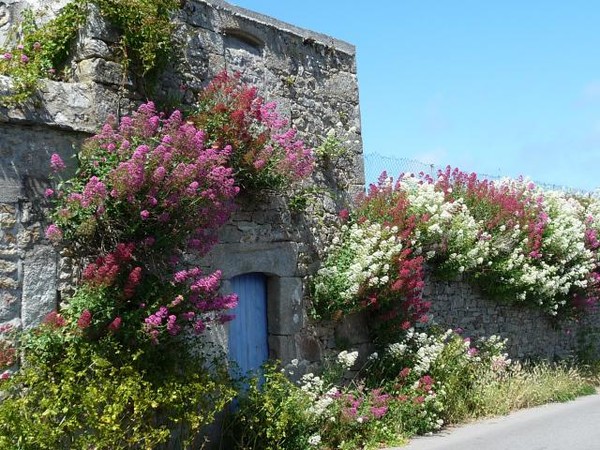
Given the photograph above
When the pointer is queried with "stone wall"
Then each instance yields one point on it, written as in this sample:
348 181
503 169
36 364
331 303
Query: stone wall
28 264
458 305
311 76
530 332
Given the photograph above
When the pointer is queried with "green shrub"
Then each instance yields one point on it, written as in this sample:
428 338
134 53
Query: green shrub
41 50
98 396
272 414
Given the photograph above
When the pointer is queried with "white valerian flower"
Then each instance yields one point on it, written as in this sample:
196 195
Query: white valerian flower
346 359
311 384
314 440
320 405
373 356
332 392
397 349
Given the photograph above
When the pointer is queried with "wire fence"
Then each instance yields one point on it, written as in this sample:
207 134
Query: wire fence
375 164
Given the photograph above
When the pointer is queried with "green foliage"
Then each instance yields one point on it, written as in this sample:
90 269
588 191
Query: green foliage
146 31
458 373
40 51
99 396
307 197
272 414
331 149
321 412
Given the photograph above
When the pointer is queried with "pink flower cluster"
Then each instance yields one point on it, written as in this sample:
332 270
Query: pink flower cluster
197 304
54 320
299 161
264 154
85 319
20 55
363 407
56 162
54 233
105 269
167 183
501 204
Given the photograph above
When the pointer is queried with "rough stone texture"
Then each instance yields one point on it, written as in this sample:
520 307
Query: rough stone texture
9 306
39 285
82 106
285 315
530 332
458 305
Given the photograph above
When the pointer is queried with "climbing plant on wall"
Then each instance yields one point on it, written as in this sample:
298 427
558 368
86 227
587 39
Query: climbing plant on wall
149 191
520 244
40 49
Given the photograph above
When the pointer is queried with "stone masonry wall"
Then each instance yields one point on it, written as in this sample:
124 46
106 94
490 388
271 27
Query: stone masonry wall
530 333
458 305
312 77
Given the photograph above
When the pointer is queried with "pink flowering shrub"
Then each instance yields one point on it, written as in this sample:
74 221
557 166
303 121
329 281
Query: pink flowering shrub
147 190
265 154
150 188
150 181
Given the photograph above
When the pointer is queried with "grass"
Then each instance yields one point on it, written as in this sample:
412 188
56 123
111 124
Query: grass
521 387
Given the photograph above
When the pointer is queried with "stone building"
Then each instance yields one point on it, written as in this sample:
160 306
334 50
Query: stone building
311 76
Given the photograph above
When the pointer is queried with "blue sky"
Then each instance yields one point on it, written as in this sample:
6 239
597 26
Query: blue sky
504 88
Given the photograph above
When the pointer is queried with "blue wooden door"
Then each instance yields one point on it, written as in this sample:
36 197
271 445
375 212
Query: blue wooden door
248 338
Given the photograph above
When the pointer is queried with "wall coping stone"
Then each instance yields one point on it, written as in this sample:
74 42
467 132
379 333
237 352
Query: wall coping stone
285 27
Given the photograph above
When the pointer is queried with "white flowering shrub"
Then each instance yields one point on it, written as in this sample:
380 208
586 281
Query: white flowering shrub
449 366
519 243
359 259
446 231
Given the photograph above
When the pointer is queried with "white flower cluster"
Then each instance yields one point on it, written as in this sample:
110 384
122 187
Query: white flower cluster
312 385
321 393
495 347
565 261
314 440
320 405
360 257
347 359
545 276
450 222
421 348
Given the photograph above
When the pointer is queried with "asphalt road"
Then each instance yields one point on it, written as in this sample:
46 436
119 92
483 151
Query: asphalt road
561 426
